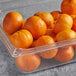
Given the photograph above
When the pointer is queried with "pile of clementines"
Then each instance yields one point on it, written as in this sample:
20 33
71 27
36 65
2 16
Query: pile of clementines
41 29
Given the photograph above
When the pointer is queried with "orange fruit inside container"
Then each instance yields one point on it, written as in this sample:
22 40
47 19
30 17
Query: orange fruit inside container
43 40
68 7
66 34
56 14
65 54
28 62
22 39
47 18
36 26
12 22
64 22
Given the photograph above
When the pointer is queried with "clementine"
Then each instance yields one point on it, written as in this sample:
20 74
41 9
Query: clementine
12 22
66 34
36 26
55 14
69 7
47 17
43 40
22 39
65 54
28 62
63 22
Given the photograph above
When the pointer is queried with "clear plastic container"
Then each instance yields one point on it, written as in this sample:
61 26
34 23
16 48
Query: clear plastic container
27 10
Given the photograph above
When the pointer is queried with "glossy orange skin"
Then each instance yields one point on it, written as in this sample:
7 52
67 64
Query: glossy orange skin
36 26
65 54
56 14
51 33
44 40
12 22
47 17
22 39
69 7
74 22
63 22
66 34
28 62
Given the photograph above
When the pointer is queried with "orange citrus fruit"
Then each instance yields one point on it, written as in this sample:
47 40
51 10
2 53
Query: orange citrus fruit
44 40
22 39
12 22
28 62
65 54
66 34
63 22
55 14
69 7
36 26
47 17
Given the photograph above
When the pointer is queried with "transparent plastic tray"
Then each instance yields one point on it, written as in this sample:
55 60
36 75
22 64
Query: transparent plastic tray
27 10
